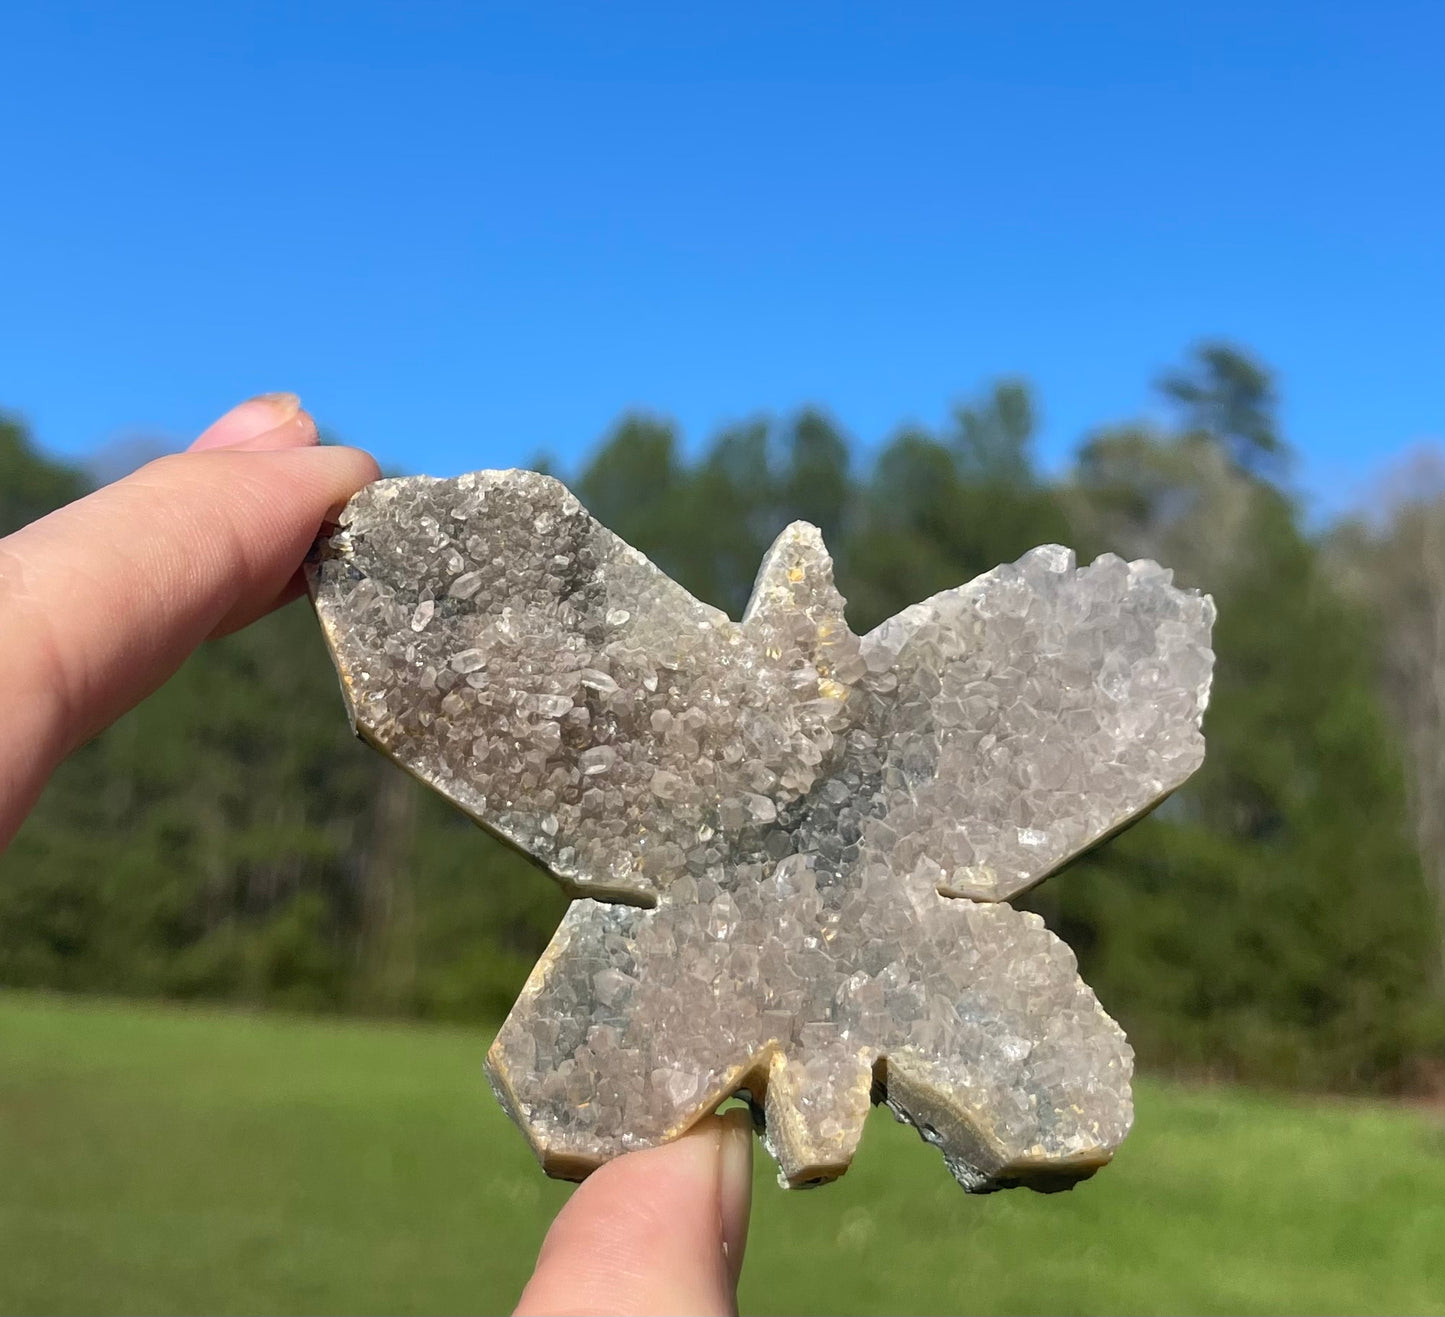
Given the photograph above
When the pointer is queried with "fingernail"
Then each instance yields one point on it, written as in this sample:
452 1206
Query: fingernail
250 420
735 1184
285 405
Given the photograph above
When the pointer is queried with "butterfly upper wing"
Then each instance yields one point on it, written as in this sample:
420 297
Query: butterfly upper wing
506 648
510 651
1040 708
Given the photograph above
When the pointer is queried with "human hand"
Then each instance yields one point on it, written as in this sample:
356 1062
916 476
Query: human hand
101 601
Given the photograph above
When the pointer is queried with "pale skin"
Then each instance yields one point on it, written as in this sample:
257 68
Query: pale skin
101 601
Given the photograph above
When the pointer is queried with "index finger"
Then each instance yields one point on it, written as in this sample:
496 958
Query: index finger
101 601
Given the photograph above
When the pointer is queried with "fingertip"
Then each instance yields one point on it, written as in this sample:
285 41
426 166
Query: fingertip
362 462
267 421
189 544
735 1184
298 432
342 472
650 1232
351 468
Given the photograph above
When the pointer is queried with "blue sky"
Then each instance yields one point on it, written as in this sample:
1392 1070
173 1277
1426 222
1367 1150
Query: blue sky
465 233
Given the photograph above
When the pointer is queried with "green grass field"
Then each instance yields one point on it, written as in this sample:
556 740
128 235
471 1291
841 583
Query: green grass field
164 1160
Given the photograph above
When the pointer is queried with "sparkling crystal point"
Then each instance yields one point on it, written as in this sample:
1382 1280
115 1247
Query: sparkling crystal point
791 845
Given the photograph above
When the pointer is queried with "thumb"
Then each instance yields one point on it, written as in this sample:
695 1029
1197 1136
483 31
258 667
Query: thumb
659 1231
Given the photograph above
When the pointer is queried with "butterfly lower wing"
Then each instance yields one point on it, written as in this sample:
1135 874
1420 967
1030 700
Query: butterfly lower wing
1014 1072
626 1034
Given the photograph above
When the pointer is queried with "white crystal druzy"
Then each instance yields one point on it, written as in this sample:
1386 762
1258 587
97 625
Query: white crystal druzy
790 844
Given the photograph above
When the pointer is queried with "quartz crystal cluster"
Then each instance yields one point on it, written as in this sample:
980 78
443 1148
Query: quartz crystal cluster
791 847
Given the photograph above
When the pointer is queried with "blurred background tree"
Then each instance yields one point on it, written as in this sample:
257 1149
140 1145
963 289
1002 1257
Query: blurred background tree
1271 922
1393 565
30 487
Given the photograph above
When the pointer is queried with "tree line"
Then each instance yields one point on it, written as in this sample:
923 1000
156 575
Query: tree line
1278 920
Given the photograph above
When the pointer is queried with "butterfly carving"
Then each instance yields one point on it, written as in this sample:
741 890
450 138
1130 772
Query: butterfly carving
791 847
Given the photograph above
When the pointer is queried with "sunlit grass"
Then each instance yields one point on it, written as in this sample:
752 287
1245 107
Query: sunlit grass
163 1160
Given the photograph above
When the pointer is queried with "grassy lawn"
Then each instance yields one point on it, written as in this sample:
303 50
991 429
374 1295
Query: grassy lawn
163 1160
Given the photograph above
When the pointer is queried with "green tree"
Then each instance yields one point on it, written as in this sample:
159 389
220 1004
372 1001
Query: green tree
1393 566
1269 922
30 486
942 509
1229 398
229 839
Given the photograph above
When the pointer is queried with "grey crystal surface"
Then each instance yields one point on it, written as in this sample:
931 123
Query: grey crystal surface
791 845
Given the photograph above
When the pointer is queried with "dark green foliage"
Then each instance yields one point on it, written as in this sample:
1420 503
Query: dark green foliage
941 509
709 523
229 839
1271 920
29 487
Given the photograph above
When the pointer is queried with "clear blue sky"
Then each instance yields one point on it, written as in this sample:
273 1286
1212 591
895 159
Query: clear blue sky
469 232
